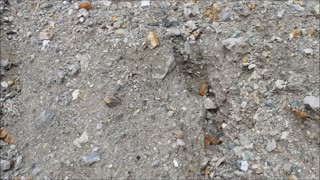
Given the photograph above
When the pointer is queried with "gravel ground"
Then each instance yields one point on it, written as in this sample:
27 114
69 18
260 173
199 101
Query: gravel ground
159 89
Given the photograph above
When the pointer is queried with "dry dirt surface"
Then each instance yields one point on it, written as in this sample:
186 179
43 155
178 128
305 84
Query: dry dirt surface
159 89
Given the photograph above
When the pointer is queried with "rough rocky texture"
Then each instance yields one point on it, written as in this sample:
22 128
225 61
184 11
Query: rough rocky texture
59 63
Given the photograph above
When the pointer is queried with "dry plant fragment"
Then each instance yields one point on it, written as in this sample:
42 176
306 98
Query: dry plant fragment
210 140
86 6
204 86
294 33
300 114
152 40
3 133
212 12
252 6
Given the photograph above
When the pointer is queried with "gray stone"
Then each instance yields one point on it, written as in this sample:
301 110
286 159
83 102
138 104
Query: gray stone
284 135
312 101
209 104
83 12
247 155
274 132
155 163
280 84
18 163
5 64
173 32
287 167
191 25
226 16
271 146
237 150
298 7
180 142
233 42
46 116
117 24
317 9
308 51
5 165
36 171
244 140
74 68
243 104
91 158
280 13
242 165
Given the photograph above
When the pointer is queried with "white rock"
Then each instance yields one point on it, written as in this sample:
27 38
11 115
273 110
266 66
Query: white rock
317 9
232 42
252 66
180 142
209 104
4 84
173 32
145 3
81 140
191 25
284 135
280 84
244 166
175 163
280 13
243 104
76 94
298 7
312 101
308 51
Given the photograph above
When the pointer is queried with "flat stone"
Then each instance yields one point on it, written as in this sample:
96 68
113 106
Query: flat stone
280 84
284 135
287 167
4 164
274 132
308 51
312 101
233 42
244 140
209 104
81 140
145 3
175 163
91 158
180 142
298 7
271 146
243 165
76 94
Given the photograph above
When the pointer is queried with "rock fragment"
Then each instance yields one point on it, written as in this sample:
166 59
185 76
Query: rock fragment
76 94
81 140
209 104
91 158
5 165
271 145
233 42
313 102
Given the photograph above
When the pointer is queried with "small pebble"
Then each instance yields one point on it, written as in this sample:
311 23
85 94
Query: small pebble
179 134
287 167
271 146
298 7
209 104
4 164
252 66
4 84
284 135
308 51
91 158
274 132
180 142
280 84
312 101
243 104
76 94
175 163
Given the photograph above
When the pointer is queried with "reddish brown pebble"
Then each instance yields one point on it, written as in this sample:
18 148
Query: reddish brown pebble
204 86
85 6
